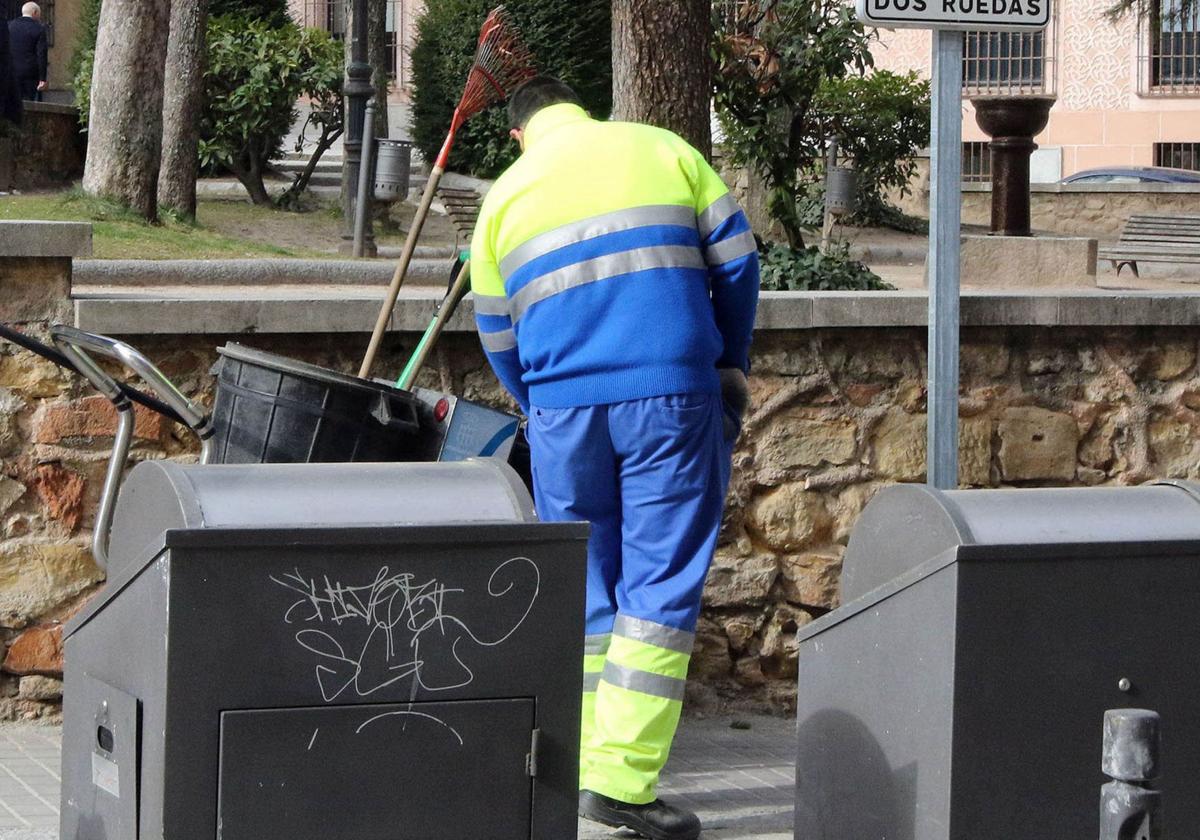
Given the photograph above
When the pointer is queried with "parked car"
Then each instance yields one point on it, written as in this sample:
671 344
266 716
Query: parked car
1134 175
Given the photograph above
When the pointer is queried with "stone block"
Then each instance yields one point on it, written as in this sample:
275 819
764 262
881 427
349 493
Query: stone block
37 575
35 289
1173 446
10 404
36 651
91 417
1013 262
899 448
1172 360
812 580
789 518
31 376
40 688
11 492
710 653
29 238
794 441
735 581
1037 445
61 492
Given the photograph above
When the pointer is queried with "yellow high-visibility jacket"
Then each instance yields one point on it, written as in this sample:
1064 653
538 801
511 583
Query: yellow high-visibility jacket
610 263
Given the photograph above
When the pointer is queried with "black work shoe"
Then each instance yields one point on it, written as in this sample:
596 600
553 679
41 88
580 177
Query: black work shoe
656 820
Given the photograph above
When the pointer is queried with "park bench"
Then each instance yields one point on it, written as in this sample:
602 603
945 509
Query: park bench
1148 238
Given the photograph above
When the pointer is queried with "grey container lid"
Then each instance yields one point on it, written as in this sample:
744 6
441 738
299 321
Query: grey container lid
161 495
907 525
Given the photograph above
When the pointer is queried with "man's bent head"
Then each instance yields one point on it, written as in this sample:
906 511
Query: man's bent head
32 10
532 96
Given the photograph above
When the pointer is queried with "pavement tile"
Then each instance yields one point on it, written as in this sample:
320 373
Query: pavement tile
739 781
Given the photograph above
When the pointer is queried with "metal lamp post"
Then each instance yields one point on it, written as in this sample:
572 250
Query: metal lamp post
357 89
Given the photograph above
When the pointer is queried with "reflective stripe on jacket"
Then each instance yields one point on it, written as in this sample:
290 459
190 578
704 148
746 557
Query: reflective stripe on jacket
610 263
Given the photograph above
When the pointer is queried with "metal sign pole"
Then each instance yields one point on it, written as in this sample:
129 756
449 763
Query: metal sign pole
945 234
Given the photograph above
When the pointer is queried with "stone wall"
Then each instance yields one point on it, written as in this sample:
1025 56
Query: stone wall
1093 210
838 413
48 149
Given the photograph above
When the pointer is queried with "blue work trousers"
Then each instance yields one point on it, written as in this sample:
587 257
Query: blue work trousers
650 477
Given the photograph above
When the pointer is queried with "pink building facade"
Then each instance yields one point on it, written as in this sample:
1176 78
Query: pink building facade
402 15
1128 92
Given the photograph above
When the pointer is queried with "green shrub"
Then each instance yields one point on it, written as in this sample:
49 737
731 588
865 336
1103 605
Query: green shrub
809 270
881 121
82 51
255 74
770 66
572 41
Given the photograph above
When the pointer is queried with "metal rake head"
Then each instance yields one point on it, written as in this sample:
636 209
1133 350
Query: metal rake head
502 62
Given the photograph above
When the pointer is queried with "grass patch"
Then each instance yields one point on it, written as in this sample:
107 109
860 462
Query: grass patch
119 234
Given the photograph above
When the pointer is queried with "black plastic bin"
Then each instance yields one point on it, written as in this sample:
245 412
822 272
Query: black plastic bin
271 409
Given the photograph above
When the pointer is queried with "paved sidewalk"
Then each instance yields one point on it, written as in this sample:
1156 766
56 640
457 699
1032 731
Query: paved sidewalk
740 781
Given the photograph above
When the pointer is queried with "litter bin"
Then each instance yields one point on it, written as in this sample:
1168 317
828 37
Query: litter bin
327 652
958 693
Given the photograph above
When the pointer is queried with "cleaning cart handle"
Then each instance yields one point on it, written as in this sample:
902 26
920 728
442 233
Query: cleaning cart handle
50 354
75 345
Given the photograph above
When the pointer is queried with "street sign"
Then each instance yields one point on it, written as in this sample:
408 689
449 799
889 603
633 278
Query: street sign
989 15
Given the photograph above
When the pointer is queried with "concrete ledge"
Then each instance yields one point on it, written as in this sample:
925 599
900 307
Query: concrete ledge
220 311
1015 262
51 108
1148 189
429 265
45 239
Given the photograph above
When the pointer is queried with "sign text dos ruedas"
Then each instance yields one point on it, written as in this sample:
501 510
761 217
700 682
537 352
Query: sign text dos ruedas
956 14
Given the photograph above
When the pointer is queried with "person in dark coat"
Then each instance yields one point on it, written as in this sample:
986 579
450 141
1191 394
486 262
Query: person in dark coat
10 98
28 37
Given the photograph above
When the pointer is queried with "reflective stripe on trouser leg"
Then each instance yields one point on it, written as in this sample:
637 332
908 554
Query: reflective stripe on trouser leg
637 707
595 649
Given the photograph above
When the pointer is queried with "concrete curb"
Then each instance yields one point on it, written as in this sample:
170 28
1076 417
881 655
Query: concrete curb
431 265
329 309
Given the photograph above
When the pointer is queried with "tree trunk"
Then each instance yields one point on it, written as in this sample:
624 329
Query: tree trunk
662 70
182 97
379 56
125 121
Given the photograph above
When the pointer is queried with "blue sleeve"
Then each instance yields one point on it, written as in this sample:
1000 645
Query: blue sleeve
492 318
732 257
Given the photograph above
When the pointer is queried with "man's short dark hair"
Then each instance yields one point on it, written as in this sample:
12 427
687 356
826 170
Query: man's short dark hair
534 95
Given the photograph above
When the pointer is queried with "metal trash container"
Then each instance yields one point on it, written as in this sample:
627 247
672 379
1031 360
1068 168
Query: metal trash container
958 693
393 167
332 651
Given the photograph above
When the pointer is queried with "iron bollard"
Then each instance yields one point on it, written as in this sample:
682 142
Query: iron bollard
1129 808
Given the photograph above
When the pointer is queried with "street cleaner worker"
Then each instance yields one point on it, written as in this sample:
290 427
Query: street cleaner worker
615 283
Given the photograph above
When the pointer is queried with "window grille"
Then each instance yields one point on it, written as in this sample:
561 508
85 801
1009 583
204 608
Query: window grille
13 10
330 15
1169 50
1177 155
976 163
1008 63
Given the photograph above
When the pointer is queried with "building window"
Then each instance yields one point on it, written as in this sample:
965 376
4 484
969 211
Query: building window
1177 155
1011 63
13 10
1008 63
976 163
330 15
1169 43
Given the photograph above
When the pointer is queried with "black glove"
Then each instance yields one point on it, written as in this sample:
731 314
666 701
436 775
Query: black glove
735 394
